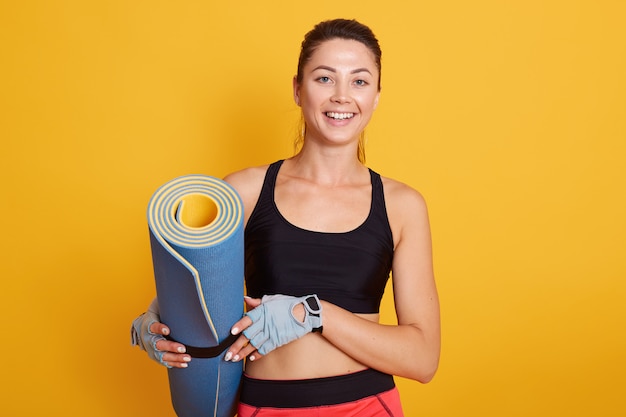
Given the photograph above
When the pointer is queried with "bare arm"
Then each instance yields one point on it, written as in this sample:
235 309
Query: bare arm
410 349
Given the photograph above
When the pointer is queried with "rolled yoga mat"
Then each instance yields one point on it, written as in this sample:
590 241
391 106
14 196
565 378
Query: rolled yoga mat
196 236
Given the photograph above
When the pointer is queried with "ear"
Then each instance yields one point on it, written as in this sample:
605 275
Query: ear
376 100
296 91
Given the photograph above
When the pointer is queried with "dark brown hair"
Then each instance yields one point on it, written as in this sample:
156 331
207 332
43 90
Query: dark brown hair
338 29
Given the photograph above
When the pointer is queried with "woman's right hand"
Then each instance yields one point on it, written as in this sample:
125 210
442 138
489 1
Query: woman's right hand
149 333
172 354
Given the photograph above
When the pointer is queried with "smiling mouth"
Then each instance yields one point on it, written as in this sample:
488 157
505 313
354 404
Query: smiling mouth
339 116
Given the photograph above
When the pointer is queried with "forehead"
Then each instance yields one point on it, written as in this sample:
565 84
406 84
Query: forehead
343 53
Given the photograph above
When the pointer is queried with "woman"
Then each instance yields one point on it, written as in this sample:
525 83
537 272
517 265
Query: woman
324 231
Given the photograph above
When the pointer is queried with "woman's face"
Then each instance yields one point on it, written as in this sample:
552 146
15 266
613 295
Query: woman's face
338 92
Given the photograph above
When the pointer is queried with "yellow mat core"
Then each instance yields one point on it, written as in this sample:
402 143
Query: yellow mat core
196 210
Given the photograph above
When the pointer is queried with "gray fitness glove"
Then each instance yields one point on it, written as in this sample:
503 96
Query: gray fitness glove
273 322
140 334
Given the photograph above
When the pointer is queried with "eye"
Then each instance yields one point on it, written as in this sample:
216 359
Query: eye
361 83
324 79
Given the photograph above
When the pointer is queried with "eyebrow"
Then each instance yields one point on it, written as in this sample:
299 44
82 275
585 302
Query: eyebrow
331 69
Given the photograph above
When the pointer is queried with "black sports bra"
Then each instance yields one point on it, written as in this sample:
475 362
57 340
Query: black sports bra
347 269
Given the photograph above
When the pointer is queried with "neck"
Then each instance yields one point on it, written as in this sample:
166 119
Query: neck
331 167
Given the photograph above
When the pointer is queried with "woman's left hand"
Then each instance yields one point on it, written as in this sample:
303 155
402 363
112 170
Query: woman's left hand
275 320
242 347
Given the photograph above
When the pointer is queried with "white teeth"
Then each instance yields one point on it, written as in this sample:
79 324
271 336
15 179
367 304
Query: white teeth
339 116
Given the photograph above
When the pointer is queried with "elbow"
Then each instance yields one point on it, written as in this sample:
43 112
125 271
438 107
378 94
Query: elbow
420 361
426 377
425 372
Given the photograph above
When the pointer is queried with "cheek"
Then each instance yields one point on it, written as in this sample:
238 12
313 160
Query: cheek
311 104
368 104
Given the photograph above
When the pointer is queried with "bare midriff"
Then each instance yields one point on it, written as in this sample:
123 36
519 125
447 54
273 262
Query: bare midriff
311 356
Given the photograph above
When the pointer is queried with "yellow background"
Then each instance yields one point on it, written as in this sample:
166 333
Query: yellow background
509 116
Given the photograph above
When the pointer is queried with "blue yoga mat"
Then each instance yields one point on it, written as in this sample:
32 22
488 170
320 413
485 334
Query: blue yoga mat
196 237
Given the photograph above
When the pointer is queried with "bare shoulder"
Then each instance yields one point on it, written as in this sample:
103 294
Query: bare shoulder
248 183
402 198
247 178
406 209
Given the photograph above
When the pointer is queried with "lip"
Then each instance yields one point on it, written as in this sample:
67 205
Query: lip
338 122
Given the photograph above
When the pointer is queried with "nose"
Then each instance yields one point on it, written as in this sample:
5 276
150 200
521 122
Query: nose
341 94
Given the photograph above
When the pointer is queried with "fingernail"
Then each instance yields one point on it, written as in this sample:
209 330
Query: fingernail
236 358
234 331
228 356
183 365
165 331
181 349
251 357
187 358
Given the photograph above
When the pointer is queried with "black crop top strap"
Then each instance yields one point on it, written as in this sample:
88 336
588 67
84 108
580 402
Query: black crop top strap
347 269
